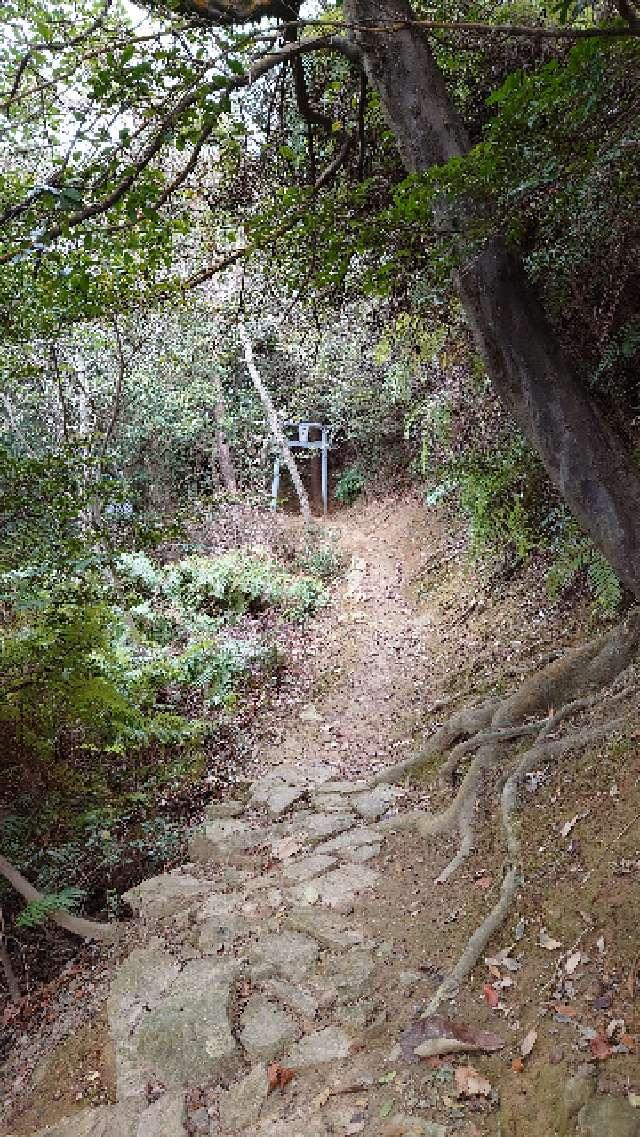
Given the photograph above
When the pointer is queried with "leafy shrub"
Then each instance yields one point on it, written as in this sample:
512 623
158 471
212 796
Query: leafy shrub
350 485
500 491
321 560
575 555
234 584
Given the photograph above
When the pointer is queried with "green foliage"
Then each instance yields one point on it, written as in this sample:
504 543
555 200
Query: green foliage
350 485
575 556
320 559
235 583
499 491
38 911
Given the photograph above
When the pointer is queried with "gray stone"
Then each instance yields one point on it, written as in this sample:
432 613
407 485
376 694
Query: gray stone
361 854
276 797
341 886
318 826
187 1037
161 896
266 1029
233 807
351 970
376 802
220 838
308 867
355 1016
407 1125
345 787
138 987
330 803
608 1117
351 840
326 1045
293 996
164 1117
290 953
328 929
578 1090
119 1120
199 1122
240 1107
220 930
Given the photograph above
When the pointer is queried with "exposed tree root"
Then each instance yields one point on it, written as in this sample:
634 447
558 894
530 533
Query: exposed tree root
597 674
77 925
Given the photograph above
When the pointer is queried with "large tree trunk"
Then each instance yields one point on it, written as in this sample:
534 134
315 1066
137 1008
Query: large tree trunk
582 454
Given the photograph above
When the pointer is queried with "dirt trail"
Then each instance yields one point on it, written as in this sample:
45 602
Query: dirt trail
305 932
373 654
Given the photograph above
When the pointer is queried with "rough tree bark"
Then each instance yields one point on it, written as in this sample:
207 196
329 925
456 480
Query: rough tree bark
276 428
222 448
582 454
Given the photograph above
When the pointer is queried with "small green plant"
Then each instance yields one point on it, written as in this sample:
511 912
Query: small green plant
575 554
499 490
350 485
38 911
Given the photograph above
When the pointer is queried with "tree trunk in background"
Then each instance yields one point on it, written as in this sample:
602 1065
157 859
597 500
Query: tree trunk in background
276 429
583 455
223 450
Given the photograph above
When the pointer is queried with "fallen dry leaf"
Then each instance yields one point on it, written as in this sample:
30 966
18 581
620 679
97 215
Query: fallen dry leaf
435 1035
483 883
545 941
517 1065
600 1048
572 962
278 1076
528 1043
491 995
470 1084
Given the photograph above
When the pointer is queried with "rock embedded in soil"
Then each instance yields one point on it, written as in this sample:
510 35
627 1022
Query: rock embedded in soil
290 953
340 887
351 970
308 867
276 797
187 1038
164 895
241 1105
266 1030
351 840
119 1120
327 1045
319 826
330 803
166 1116
376 802
220 839
325 927
406 1125
608 1117
361 854
345 787
138 987
294 996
